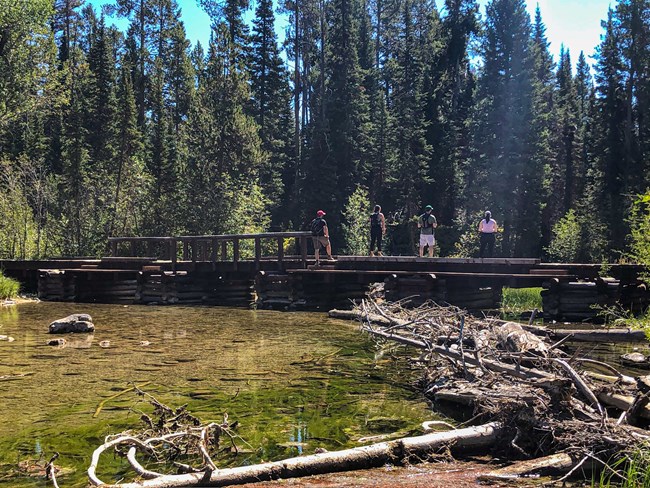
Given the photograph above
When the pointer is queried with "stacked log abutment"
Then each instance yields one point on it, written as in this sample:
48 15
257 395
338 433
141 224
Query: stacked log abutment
576 301
415 289
56 285
275 291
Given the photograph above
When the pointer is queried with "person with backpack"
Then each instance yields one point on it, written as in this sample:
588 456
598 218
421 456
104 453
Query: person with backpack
426 223
320 236
377 230
487 229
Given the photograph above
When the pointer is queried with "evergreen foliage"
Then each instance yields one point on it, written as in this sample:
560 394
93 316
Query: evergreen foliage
104 132
356 227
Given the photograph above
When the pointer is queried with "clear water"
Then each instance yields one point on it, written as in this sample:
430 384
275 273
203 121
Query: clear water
294 381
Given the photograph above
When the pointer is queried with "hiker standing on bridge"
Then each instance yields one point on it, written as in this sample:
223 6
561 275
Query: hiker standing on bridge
320 236
426 223
377 230
487 229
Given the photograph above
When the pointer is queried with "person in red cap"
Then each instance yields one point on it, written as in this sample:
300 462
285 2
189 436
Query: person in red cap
321 236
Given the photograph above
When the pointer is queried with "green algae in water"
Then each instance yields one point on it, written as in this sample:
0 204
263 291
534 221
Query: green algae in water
294 381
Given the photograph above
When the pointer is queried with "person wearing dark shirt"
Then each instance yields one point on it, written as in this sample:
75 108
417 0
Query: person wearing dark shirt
377 230
320 236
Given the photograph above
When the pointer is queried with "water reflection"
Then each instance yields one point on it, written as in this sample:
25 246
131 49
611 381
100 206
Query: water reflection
296 382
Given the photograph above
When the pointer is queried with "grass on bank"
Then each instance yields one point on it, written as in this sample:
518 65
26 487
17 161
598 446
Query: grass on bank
9 288
627 472
516 301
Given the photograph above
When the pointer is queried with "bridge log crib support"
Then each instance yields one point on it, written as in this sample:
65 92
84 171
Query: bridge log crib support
274 270
577 301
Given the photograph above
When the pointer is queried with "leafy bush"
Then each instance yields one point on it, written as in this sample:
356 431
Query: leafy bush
8 287
567 239
640 230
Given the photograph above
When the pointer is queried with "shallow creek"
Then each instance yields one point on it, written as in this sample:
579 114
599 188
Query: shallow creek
294 381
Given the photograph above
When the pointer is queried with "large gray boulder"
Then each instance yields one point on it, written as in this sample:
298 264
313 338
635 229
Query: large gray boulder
77 322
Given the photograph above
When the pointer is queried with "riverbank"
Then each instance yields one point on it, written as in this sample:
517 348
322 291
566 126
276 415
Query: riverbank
444 474
18 300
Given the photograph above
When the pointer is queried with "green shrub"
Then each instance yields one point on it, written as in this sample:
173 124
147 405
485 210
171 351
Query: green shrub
567 239
8 288
640 230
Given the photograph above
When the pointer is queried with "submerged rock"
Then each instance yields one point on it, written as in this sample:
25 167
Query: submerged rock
105 344
56 342
78 322
6 338
635 359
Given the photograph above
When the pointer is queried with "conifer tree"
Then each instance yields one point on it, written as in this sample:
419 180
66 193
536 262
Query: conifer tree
271 98
504 117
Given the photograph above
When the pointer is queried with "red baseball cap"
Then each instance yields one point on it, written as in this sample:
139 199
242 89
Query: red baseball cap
320 213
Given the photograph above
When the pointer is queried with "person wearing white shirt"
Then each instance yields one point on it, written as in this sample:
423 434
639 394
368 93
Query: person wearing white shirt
487 229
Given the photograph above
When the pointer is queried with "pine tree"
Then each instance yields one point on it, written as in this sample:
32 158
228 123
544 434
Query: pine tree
542 139
448 87
610 138
222 179
271 98
503 118
410 172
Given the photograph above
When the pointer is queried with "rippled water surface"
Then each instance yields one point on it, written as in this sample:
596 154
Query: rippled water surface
295 381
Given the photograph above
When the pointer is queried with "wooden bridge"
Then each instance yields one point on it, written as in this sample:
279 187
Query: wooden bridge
274 270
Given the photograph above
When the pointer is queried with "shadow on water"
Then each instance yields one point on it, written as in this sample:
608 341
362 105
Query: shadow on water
295 382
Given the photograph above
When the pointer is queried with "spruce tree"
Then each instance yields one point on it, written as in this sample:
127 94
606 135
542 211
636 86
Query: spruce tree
271 98
503 118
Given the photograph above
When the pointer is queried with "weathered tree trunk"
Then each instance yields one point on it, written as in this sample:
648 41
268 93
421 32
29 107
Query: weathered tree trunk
393 452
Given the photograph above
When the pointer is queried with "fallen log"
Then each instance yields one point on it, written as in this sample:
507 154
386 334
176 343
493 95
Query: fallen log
409 449
496 366
622 402
554 464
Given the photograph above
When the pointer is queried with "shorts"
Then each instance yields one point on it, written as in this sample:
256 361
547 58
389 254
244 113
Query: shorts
427 240
320 241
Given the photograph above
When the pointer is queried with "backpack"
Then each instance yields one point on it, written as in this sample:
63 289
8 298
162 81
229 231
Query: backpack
425 220
375 221
317 226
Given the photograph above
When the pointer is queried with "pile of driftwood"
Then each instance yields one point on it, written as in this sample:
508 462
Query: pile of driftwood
559 412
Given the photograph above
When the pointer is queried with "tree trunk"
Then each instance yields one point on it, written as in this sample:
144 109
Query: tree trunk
409 449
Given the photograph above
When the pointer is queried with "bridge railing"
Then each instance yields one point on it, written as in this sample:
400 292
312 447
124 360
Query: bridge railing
211 248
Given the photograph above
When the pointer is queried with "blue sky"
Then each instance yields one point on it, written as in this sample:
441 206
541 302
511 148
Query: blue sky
574 23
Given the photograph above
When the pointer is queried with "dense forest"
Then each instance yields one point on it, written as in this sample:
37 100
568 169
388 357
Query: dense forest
107 133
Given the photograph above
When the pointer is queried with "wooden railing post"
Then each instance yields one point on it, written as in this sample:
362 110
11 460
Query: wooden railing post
114 248
235 252
303 250
280 253
185 250
258 253
224 250
193 244
172 252
213 253
133 251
